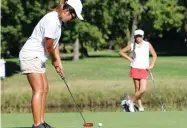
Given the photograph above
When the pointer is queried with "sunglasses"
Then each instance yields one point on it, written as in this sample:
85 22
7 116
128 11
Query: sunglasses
73 14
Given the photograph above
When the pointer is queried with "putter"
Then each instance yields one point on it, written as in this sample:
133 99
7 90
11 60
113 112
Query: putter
85 123
154 85
152 78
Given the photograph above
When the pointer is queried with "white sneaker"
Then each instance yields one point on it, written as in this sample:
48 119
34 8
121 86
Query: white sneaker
131 105
141 109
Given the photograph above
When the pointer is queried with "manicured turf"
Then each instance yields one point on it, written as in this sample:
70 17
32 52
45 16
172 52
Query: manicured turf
107 77
100 68
109 120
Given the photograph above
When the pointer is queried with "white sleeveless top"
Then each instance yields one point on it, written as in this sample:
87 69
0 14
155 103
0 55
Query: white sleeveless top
141 60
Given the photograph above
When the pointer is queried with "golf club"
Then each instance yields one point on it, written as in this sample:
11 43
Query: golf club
152 78
154 85
85 123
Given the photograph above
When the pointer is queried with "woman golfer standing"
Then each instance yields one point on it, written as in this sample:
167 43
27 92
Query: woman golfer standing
139 62
43 43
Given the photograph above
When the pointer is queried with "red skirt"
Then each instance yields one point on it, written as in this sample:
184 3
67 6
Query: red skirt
137 73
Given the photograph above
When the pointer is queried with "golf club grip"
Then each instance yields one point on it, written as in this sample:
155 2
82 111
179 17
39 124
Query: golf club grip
63 78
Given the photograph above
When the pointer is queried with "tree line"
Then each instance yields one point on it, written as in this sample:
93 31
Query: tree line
107 22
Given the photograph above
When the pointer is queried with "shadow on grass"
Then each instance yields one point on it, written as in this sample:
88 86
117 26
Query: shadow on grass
67 58
11 68
103 56
90 56
116 55
18 127
171 54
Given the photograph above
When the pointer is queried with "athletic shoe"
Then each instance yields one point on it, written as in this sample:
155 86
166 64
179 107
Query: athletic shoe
131 105
141 109
39 126
46 125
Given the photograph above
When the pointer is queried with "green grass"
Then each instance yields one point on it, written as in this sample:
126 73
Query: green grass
108 119
100 80
168 71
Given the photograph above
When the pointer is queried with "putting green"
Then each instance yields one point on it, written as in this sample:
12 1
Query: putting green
175 119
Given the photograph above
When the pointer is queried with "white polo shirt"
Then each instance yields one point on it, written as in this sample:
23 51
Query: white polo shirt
48 26
141 60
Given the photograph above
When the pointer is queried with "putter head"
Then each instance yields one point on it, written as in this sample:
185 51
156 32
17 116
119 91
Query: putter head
87 125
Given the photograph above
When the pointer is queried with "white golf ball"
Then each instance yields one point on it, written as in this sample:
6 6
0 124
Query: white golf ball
100 124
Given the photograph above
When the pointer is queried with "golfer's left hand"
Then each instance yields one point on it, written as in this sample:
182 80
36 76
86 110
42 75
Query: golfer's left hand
58 67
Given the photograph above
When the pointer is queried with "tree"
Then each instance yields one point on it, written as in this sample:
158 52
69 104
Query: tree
18 19
87 34
152 15
165 14
184 4
118 19
76 50
106 21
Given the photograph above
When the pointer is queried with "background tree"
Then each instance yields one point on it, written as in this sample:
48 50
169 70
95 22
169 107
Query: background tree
164 15
18 19
107 23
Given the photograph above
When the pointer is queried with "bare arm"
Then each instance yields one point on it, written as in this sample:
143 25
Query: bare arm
154 55
57 54
50 49
54 54
124 51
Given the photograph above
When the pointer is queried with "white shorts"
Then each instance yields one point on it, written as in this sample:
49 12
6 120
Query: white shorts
32 66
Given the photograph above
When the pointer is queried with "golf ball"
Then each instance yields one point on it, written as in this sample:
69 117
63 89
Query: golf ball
100 124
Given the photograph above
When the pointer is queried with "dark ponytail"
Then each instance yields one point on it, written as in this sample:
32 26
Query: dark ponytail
62 6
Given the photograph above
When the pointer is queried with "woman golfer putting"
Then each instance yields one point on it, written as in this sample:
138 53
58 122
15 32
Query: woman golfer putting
43 43
139 62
